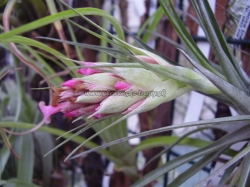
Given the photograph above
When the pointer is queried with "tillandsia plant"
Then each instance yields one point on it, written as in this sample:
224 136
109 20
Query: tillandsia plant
104 90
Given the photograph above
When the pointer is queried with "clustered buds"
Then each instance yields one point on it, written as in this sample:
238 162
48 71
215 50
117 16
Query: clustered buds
106 91
96 93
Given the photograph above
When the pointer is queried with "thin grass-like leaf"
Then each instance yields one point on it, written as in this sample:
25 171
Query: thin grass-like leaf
58 132
165 150
62 15
228 172
94 47
225 166
185 36
48 68
236 176
114 133
170 140
104 43
152 21
223 43
26 162
119 32
225 141
4 71
4 155
238 97
45 142
87 126
244 174
219 45
73 37
28 41
58 25
217 121
103 38
19 86
195 168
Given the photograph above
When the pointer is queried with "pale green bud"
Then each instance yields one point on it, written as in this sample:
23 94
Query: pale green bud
142 78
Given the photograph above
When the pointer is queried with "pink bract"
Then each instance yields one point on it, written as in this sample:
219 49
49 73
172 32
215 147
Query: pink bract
123 85
71 83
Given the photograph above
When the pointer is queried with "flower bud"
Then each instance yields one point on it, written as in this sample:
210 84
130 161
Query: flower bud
117 103
104 80
92 97
164 92
142 78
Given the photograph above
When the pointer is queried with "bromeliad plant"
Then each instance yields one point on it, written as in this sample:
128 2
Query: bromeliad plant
226 83
128 90
103 90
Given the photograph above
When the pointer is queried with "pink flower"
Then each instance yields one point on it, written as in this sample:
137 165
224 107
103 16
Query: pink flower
107 91
98 93
50 110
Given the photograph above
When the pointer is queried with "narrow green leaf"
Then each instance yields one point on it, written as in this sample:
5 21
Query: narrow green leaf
228 172
103 38
178 141
58 132
4 155
104 43
19 86
195 168
4 70
94 47
217 121
244 174
62 15
222 143
114 133
45 143
153 22
219 45
48 69
169 140
26 162
237 157
88 126
73 37
225 46
184 35
112 19
28 41
238 97
236 176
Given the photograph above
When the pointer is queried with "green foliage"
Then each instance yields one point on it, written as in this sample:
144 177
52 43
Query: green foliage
229 86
